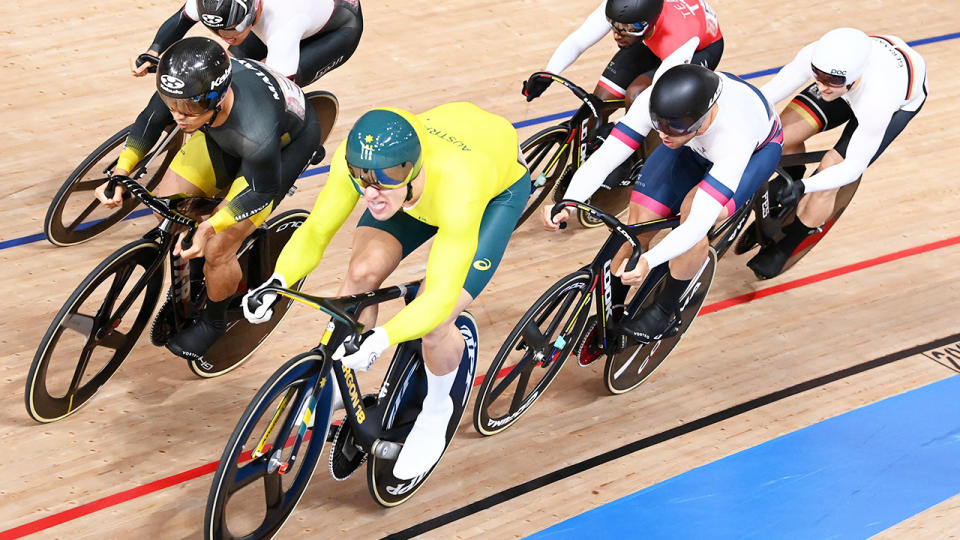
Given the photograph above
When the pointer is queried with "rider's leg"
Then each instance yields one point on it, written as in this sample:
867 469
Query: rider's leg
329 49
376 254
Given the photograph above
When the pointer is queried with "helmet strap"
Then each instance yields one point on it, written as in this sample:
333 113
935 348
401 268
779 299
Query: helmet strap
409 192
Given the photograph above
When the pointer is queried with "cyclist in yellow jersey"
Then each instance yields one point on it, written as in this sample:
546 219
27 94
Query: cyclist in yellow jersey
453 172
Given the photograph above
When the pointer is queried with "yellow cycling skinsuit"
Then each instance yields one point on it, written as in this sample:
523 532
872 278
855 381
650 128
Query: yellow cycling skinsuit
470 157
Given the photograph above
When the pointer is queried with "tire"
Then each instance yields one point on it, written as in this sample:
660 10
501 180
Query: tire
402 407
621 372
125 265
566 304
277 403
75 197
546 154
244 338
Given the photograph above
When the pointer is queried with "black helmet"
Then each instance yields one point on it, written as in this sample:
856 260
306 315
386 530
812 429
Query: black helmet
682 97
235 15
633 17
195 70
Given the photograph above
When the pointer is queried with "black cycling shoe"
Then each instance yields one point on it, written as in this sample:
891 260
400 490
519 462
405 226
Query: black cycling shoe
651 324
196 338
769 261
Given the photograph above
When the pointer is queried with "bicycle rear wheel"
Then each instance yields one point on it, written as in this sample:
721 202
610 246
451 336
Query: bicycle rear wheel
244 338
533 353
271 454
627 368
546 154
75 215
88 339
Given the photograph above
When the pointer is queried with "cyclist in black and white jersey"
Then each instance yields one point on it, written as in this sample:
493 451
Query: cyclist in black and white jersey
873 84
253 134
301 39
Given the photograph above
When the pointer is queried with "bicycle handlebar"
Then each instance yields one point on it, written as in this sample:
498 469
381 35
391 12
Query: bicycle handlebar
147 57
610 221
160 205
591 101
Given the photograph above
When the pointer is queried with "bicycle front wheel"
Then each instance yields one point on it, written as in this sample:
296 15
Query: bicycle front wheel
75 215
533 353
92 334
546 155
272 453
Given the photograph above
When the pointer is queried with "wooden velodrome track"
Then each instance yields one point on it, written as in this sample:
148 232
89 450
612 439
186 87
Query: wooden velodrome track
66 87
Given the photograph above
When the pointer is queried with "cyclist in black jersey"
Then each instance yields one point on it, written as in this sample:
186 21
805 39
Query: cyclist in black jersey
253 135
300 39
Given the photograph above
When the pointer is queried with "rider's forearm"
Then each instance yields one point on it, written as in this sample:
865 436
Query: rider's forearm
790 78
614 151
703 214
144 133
172 30
590 32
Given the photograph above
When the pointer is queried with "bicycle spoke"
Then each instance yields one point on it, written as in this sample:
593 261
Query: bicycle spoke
273 490
81 368
524 365
249 473
521 392
113 340
532 335
119 280
84 215
78 322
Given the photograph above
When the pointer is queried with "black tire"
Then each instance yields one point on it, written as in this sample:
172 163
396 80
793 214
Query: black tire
402 407
275 405
244 338
614 201
546 155
85 220
562 311
620 371
68 353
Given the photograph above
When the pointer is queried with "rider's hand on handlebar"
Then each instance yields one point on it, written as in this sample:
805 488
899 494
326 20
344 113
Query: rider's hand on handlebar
197 244
553 224
371 347
117 198
789 197
261 313
535 86
141 70
635 276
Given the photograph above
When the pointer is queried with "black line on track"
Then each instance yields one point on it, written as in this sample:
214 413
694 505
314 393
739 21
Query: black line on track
663 436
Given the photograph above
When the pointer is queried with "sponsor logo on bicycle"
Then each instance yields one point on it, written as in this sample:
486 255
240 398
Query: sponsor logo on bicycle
205 365
403 488
507 419
289 224
171 84
483 264
607 290
470 345
354 394
736 230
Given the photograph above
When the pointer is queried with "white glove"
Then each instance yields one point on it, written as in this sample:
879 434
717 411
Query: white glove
372 346
265 310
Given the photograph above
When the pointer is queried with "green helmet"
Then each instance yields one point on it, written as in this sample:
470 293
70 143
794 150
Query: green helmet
383 149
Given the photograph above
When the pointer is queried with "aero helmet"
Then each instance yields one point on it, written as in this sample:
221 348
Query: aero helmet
383 149
193 74
633 17
840 56
237 15
682 97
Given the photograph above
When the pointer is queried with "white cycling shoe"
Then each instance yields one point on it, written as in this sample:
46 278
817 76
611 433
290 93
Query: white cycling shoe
426 441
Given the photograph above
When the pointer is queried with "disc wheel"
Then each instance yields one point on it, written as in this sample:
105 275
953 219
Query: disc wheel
75 215
94 331
633 362
533 353
546 155
259 480
243 338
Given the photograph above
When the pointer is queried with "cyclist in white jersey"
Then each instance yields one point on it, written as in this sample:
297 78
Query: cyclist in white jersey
301 39
874 84
721 141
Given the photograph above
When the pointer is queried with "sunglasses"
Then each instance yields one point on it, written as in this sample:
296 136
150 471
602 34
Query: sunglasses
389 178
629 29
829 79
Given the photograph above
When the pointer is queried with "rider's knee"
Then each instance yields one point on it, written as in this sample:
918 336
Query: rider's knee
638 85
439 336
364 274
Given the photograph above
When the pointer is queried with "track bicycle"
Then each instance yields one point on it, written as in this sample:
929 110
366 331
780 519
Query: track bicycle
771 216
101 321
554 154
76 216
559 323
277 444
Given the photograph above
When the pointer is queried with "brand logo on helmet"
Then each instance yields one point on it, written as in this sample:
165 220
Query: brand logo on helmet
171 84
219 80
840 72
212 20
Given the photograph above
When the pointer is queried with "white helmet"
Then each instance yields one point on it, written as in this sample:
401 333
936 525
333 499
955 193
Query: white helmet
842 53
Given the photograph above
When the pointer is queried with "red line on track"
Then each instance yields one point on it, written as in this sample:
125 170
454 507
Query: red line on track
203 470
